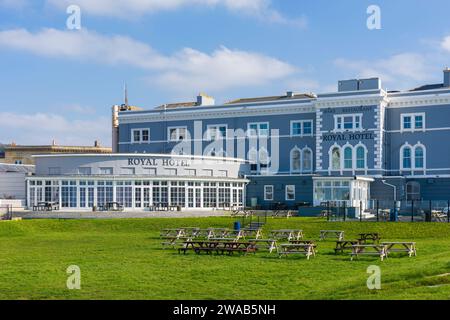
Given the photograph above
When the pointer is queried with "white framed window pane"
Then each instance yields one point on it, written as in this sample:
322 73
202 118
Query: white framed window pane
264 129
145 135
296 128
182 134
307 127
407 122
290 192
418 122
136 136
173 134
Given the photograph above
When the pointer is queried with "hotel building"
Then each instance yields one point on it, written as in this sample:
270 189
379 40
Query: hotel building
359 143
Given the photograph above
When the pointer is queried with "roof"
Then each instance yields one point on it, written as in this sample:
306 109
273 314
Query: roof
273 98
177 105
428 87
4 167
57 148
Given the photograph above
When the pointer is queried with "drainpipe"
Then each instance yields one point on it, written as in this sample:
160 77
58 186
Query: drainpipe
393 186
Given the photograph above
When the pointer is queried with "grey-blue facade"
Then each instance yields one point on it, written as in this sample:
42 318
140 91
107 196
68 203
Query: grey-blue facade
358 143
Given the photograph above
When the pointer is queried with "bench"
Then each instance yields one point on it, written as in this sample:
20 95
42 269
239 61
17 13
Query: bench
345 245
305 249
374 237
324 234
270 244
369 249
286 234
407 247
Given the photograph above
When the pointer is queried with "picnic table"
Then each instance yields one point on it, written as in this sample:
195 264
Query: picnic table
270 244
223 246
408 247
255 233
370 236
282 213
324 234
46 206
303 241
369 249
286 234
306 249
343 245
171 236
439 216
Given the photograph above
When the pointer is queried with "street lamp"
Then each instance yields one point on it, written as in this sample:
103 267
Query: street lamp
394 187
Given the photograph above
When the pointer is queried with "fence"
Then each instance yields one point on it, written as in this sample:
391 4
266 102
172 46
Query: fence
382 210
6 212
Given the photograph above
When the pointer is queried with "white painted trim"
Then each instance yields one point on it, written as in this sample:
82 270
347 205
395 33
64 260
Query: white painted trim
302 122
344 115
413 122
286 192
265 192
140 130
208 133
178 134
258 133
413 157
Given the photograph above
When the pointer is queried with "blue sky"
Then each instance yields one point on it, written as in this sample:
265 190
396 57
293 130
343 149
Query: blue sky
60 84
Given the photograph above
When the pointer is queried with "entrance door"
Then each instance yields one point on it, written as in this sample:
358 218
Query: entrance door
194 197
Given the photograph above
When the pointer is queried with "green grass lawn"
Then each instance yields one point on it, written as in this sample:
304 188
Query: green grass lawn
123 259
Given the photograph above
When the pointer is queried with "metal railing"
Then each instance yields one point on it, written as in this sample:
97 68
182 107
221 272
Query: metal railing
382 210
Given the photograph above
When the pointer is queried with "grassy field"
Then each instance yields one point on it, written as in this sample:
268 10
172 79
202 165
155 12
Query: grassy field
123 259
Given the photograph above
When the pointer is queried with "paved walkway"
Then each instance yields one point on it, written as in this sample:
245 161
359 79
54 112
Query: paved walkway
120 215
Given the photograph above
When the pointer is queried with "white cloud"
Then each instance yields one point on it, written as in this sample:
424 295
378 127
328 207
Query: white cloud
187 69
42 128
401 70
445 44
135 8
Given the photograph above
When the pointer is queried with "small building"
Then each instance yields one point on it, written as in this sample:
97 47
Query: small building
20 154
12 177
80 182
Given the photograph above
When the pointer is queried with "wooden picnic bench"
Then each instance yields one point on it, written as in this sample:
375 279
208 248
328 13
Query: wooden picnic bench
324 234
270 244
407 247
252 232
286 234
305 249
304 241
282 213
345 245
222 246
369 249
374 237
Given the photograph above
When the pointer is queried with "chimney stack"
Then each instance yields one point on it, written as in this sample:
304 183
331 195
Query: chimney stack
205 100
447 77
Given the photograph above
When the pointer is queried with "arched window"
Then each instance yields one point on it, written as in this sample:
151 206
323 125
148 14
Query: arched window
253 158
348 158
336 158
295 160
406 157
263 158
307 160
360 157
418 158
413 191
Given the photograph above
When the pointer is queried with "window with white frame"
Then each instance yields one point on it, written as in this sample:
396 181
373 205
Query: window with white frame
348 122
301 160
301 128
140 135
215 132
290 193
268 193
177 133
412 121
85 171
413 157
335 158
348 157
360 157
259 160
258 129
